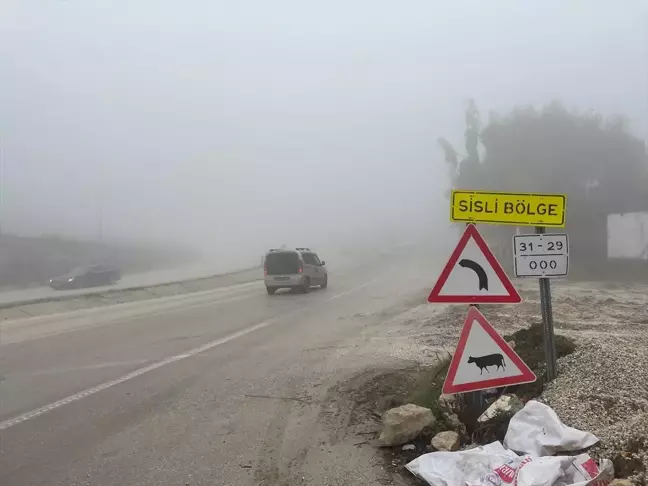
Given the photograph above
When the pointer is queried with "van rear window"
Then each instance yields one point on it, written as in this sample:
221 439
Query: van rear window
282 263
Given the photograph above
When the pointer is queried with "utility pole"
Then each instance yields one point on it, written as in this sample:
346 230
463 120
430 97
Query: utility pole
2 181
100 192
101 216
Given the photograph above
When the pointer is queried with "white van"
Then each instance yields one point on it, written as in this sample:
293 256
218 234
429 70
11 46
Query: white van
299 269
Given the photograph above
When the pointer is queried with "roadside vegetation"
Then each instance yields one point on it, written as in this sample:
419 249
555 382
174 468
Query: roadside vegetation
594 159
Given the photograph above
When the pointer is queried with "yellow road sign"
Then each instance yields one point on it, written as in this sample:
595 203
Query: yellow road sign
518 209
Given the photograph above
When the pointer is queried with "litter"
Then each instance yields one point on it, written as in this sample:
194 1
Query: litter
584 471
493 465
461 467
550 471
537 430
536 433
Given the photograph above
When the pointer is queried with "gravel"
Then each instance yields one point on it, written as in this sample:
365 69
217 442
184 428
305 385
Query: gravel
602 387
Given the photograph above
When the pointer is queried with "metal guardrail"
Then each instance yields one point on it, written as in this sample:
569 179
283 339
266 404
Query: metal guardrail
105 291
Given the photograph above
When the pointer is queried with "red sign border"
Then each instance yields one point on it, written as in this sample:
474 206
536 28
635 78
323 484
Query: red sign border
449 388
472 232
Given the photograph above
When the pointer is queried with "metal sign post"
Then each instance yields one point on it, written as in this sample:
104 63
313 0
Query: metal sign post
475 399
547 322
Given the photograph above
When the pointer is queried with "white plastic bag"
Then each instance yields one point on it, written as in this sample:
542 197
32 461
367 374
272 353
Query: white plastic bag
537 430
584 471
524 471
493 465
548 471
461 467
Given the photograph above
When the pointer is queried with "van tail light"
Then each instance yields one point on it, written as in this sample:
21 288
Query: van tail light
265 269
301 269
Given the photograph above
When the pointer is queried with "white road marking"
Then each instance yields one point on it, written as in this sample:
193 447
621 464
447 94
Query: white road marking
366 284
154 366
69 369
133 374
191 306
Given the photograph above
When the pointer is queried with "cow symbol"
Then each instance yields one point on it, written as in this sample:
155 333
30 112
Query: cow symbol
488 360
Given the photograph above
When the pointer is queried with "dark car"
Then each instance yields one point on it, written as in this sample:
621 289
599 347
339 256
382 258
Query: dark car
90 276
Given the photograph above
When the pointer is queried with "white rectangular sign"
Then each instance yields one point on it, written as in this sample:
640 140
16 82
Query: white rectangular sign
541 255
628 236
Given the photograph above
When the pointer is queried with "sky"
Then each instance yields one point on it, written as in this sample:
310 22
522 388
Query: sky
221 124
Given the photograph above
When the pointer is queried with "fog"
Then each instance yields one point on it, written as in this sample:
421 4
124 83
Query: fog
234 126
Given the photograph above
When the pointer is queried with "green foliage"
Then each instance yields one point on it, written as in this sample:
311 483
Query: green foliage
601 167
594 160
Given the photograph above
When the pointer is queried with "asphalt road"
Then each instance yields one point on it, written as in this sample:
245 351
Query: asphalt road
187 390
334 258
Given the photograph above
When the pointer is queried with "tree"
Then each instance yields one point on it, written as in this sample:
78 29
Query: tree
451 157
471 141
471 135
593 159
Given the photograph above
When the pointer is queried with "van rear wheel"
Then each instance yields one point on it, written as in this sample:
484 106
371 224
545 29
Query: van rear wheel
306 286
271 290
325 284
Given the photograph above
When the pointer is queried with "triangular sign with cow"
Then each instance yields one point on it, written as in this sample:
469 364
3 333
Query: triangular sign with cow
483 359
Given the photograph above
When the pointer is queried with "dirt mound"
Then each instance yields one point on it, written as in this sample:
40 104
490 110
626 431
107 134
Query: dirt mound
372 393
364 398
529 345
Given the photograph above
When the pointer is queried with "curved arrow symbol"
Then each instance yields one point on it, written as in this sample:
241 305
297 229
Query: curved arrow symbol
477 268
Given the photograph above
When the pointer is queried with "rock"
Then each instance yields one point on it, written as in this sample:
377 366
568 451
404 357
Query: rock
408 447
446 441
502 409
402 424
448 403
452 420
621 482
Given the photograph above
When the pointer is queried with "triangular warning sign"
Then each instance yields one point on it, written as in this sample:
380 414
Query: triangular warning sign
473 275
483 359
